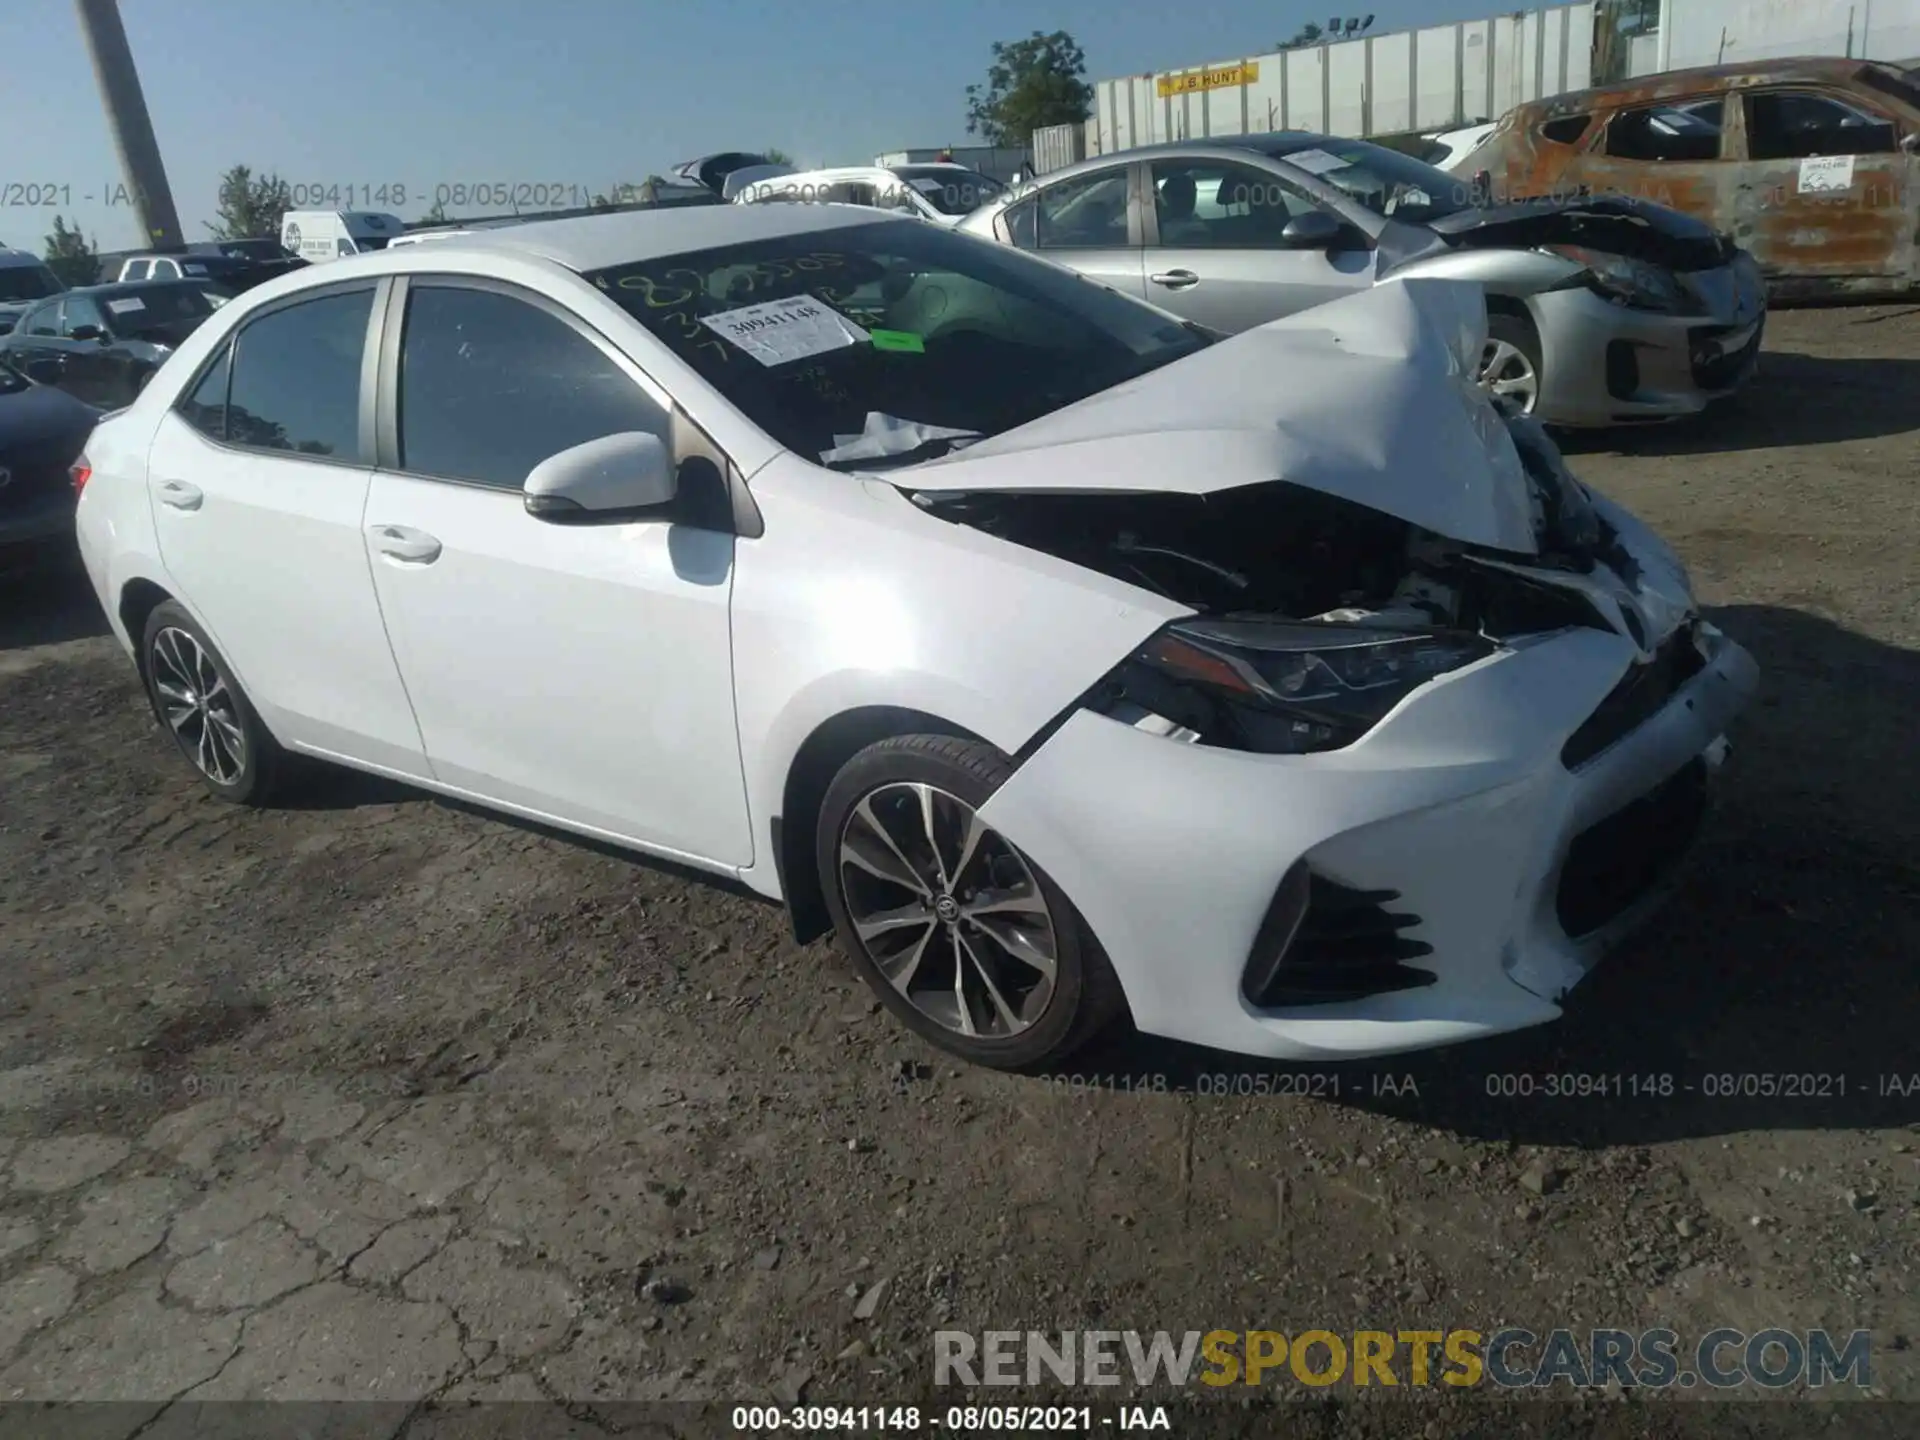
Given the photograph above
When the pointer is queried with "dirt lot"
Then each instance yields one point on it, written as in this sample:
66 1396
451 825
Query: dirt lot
379 1098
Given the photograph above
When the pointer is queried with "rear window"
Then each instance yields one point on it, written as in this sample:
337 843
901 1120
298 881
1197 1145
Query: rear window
823 337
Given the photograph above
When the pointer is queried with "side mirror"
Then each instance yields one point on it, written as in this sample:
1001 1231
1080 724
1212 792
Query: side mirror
617 477
1315 230
86 332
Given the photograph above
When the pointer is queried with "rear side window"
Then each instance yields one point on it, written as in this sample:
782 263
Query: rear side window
1678 131
137 270
1567 129
1088 213
205 407
491 385
296 378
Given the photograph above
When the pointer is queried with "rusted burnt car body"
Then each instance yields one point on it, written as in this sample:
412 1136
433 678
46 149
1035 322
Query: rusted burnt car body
1810 164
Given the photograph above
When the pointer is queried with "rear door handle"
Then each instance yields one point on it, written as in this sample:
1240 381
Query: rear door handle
1175 279
180 495
406 546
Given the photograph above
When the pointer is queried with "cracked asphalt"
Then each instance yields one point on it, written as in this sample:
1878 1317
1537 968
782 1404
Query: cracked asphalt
376 1098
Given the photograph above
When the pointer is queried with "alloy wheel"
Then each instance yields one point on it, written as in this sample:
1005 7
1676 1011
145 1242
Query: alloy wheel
1506 370
948 911
197 705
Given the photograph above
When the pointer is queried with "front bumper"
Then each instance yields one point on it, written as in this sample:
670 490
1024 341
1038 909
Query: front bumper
1607 364
1460 803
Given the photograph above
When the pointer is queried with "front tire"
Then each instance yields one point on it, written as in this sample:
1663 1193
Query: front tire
1510 364
962 937
199 703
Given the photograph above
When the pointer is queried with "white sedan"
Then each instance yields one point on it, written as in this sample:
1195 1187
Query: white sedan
1062 656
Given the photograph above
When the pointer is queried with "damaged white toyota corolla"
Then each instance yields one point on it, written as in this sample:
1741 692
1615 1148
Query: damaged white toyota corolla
1062 656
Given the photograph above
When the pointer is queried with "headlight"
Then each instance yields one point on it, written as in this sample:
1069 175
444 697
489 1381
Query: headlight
1630 282
1280 687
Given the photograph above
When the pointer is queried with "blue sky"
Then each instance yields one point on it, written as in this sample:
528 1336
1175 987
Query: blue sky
561 93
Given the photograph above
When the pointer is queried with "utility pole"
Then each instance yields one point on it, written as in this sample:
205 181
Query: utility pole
127 115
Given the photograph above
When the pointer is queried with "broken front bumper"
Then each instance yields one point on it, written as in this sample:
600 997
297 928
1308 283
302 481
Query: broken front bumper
1465 805
1609 364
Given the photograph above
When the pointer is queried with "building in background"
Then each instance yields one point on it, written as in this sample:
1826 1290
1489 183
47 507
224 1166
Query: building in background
1413 82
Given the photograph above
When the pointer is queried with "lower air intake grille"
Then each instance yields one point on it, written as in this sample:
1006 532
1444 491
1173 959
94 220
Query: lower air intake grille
1618 861
1323 942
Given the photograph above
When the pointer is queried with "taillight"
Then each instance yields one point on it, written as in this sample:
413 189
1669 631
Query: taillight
81 472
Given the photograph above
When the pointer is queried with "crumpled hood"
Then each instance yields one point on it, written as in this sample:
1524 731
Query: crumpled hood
1617 224
1371 398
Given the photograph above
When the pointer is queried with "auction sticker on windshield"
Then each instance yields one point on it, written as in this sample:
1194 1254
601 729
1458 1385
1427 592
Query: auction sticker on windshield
776 331
1825 172
127 306
1316 162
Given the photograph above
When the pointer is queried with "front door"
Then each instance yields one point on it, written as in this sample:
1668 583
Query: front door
95 371
1826 193
1215 254
580 673
258 479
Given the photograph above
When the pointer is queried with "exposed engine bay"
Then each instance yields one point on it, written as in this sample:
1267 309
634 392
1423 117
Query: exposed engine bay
1279 551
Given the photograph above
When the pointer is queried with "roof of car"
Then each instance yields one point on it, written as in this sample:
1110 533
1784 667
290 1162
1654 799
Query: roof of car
13 257
122 287
1673 83
595 242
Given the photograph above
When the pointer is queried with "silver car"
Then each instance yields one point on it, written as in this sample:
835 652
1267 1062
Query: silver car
1603 310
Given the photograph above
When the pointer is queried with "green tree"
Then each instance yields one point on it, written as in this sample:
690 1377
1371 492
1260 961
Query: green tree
250 206
1032 83
436 216
777 156
71 256
1308 34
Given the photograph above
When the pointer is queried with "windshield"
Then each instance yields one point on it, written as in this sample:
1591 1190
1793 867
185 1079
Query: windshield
950 190
136 314
27 282
1385 181
812 334
1889 80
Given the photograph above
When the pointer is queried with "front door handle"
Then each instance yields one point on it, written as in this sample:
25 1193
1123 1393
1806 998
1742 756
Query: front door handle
180 495
1175 279
409 547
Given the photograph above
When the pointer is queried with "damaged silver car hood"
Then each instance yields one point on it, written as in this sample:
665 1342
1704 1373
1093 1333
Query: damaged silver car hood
1371 398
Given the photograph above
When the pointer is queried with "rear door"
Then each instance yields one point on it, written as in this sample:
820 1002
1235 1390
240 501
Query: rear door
1214 252
1087 222
1674 152
1826 193
258 478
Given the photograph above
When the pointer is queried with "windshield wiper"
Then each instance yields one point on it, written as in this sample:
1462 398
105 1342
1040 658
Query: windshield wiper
926 450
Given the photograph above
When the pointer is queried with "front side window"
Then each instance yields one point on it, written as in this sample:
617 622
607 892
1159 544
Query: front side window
1211 205
1798 125
811 335
491 385
296 378
1677 131
80 310
1086 213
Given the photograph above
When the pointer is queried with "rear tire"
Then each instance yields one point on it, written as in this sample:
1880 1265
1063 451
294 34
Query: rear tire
199 703
966 940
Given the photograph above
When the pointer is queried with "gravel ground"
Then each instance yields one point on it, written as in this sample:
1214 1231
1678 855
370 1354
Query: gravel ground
377 1097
